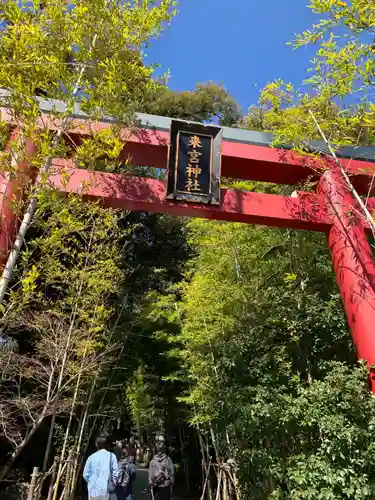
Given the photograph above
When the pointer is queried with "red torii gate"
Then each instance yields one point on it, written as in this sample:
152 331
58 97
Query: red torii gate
245 155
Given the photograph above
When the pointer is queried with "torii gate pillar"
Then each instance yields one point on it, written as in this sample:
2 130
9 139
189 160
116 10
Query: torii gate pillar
353 262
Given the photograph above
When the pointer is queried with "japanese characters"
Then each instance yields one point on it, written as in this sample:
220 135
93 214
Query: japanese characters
193 169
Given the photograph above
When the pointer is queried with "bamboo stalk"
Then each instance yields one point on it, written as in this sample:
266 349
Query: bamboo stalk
206 481
85 414
219 485
76 469
69 476
64 362
204 463
225 486
214 442
235 484
67 432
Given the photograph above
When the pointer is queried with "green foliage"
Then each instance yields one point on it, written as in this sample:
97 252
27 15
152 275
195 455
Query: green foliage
101 151
268 363
88 51
285 112
316 442
66 260
38 40
147 407
60 309
206 102
156 253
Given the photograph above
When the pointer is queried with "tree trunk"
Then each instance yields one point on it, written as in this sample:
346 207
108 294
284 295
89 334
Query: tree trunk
6 468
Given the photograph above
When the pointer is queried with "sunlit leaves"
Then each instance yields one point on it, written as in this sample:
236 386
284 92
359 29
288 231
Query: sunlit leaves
46 48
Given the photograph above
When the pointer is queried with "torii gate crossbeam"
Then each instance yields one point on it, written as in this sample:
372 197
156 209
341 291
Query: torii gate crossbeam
245 155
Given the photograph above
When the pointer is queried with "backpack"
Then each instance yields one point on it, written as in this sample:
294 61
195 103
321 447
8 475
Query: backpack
123 478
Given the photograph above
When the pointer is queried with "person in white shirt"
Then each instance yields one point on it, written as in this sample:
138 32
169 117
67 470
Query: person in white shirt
97 470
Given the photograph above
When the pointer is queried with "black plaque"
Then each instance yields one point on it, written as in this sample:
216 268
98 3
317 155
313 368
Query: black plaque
194 163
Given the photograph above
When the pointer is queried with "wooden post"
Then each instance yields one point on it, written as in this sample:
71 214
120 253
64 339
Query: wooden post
52 481
34 477
69 476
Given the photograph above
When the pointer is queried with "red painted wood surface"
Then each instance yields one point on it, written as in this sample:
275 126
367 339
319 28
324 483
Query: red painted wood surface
306 211
353 262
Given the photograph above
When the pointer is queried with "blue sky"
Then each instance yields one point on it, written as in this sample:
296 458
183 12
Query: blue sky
240 43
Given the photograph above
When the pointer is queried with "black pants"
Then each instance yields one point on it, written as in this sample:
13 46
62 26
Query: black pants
162 493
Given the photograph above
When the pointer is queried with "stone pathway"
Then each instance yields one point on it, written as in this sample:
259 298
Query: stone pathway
140 486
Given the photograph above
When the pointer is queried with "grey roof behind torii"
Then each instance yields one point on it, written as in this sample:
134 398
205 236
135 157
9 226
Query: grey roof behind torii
365 153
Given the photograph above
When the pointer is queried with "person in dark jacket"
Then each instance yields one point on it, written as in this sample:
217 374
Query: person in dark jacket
131 448
126 473
161 474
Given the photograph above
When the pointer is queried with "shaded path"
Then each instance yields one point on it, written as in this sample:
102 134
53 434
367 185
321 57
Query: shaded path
140 486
